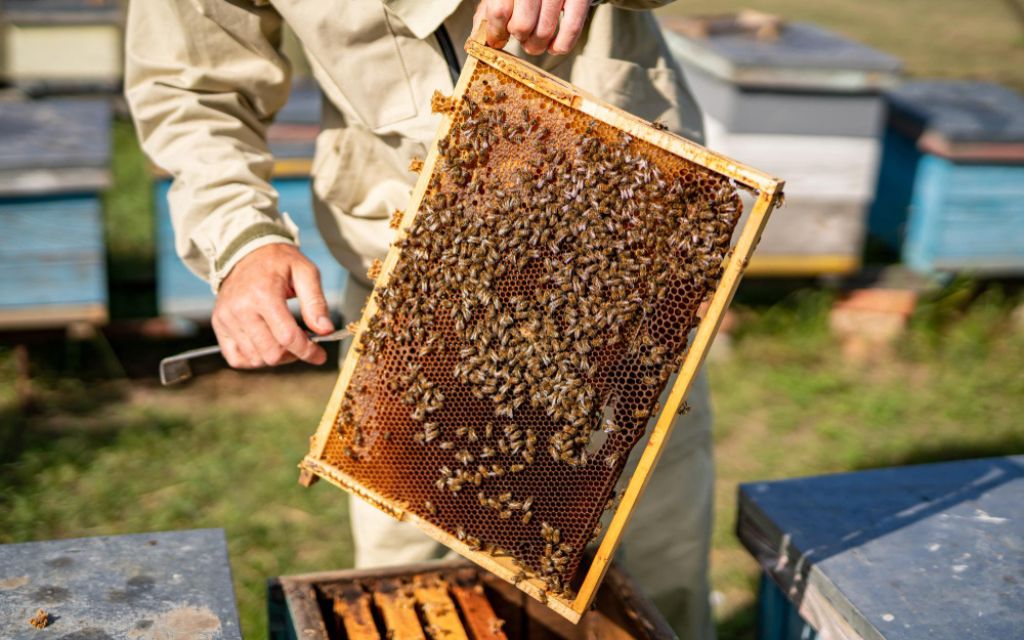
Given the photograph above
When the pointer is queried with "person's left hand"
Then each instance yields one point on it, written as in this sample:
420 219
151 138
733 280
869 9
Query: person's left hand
534 23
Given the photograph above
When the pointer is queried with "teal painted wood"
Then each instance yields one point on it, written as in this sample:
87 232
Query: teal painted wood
180 293
51 252
966 217
777 618
894 191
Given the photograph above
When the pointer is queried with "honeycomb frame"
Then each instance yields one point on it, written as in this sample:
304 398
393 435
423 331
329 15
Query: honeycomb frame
768 191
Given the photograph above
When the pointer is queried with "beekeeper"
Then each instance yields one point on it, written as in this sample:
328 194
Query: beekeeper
204 79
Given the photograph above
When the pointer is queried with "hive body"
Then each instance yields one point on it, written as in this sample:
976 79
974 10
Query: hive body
538 300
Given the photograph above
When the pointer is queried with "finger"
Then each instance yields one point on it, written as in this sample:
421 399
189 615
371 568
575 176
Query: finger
228 346
574 16
544 31
270 351
524 19
229 329
497 13
312 302
288 334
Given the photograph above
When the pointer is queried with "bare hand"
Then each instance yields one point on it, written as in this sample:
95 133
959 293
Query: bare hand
533 23
251 318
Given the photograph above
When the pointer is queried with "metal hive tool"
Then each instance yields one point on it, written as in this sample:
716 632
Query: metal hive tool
556 257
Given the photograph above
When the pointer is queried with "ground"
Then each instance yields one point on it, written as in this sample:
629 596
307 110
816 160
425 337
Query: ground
104 450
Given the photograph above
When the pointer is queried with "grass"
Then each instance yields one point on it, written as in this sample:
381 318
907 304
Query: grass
982 40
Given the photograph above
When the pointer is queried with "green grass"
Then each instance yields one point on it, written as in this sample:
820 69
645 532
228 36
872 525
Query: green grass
980 40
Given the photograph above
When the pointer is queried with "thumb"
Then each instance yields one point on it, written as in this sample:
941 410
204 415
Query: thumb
312 303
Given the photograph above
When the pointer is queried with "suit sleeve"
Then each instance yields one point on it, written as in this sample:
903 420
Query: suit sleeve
204 79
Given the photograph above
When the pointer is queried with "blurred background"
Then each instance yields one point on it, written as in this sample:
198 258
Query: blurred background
882 322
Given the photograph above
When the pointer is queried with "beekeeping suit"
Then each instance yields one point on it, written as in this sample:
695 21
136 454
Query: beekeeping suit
204 79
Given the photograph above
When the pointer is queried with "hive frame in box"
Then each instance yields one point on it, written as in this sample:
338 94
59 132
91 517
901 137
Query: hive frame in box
769 193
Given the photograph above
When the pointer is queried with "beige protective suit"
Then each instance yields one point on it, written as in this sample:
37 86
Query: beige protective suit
204 79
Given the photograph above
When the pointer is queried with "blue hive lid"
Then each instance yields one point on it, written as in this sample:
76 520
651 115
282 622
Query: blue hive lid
797 55
55 134
961 112
62 11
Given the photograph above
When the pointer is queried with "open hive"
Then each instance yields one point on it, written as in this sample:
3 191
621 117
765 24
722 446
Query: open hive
541 294
450 599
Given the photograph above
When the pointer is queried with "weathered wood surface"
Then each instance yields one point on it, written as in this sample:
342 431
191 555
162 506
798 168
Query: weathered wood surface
146 586
929 552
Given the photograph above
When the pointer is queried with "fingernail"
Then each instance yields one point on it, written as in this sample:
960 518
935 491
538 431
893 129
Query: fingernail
324 323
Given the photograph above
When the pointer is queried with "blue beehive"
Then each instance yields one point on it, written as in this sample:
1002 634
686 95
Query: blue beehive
950 191
292 138
54 161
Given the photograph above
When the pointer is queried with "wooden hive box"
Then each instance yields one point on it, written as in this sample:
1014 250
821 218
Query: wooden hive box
54 162
292 140
952 178
556 255
62 45
448 599
798 101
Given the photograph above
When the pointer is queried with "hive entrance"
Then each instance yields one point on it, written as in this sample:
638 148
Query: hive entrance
538 300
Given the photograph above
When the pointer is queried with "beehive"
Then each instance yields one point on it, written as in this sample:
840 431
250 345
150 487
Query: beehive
540 295
447 599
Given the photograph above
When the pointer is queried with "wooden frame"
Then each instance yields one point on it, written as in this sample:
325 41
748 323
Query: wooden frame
768 191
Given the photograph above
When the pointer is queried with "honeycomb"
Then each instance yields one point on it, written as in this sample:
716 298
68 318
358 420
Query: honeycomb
541 300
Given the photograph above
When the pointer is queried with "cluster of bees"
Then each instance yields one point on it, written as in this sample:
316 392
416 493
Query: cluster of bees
532 273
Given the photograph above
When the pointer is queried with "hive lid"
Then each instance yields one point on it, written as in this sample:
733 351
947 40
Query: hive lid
959 119
787 55
51 146
146 585
54 133
62 11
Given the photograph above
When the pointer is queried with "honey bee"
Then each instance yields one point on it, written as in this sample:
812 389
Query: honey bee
430 507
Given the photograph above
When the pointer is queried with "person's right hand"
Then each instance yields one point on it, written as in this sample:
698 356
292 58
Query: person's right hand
251 318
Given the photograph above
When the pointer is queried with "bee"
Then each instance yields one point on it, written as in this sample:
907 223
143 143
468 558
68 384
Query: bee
430 507
527 516
611 460
486 452
445 446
